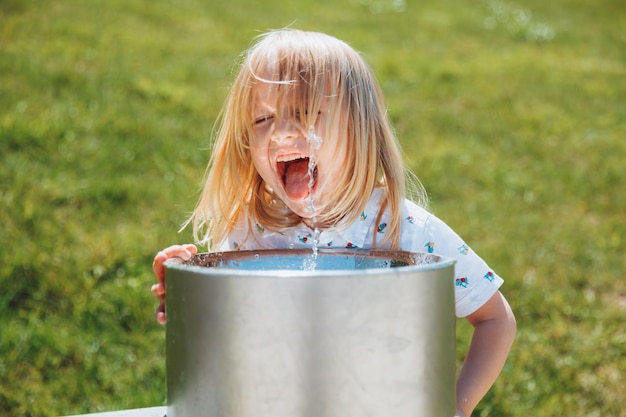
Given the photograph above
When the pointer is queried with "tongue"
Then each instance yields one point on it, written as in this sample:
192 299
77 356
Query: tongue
297 179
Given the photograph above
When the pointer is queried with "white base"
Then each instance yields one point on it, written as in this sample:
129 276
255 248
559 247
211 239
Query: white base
139 412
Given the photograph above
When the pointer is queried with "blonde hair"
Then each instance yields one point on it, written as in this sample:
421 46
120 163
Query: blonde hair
307 66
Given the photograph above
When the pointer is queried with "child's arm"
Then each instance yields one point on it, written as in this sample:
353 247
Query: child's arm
494 331
183 252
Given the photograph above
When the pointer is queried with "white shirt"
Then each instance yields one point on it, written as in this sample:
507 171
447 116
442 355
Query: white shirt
421 231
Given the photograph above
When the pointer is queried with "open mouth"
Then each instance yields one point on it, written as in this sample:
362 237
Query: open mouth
296 176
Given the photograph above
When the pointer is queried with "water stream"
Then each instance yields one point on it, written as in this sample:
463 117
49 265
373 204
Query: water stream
315 142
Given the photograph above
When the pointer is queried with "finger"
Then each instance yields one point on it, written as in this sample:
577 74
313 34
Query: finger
177 252
159 314
158 290
157 266
186 252
191 248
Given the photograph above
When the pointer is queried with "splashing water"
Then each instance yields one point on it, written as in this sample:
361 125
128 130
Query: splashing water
315 142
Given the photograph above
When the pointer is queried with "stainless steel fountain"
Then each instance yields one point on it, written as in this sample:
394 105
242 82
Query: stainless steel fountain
364 333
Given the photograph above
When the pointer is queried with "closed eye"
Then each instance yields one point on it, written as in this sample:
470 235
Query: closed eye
263 119
299 115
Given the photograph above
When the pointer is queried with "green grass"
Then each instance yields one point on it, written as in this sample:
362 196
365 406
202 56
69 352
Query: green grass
513 116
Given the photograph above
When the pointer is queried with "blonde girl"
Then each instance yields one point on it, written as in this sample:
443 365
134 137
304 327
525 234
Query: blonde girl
305 155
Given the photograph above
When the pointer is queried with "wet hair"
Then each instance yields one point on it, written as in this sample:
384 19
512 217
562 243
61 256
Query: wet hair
304 67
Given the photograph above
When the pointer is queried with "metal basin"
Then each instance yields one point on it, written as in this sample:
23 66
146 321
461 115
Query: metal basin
262 333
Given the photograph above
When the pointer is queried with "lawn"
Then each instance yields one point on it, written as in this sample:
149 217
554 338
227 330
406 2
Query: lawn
513 116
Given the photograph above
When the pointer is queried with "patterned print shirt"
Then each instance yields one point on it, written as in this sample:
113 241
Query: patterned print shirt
421 231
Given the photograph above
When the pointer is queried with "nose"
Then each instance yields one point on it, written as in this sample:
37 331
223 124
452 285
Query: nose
285 130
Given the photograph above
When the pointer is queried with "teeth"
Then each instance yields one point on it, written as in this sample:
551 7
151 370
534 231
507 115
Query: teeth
290 157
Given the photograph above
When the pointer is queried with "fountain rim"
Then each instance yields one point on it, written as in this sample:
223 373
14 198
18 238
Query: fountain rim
441 263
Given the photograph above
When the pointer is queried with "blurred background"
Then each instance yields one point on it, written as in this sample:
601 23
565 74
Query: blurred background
513 115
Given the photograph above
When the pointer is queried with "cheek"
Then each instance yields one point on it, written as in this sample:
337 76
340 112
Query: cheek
334 141
333 154
258 149
261 162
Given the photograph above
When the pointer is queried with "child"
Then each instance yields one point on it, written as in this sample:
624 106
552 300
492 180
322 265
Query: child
305 155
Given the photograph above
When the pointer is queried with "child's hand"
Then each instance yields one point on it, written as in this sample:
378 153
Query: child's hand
179 252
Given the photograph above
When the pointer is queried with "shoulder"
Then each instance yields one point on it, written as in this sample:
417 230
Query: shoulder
475 281
414 214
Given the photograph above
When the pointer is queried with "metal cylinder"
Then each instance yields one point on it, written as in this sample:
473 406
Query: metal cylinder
280 333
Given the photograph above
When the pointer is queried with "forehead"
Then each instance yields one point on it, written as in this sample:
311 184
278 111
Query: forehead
264 95
272 96
271 87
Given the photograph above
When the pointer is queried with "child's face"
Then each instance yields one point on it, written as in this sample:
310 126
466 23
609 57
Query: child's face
281 152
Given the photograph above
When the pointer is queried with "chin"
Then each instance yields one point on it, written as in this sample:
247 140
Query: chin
300 207
304 212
